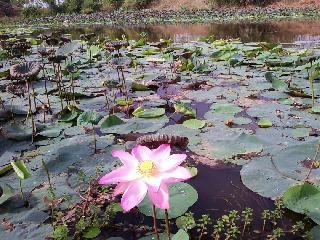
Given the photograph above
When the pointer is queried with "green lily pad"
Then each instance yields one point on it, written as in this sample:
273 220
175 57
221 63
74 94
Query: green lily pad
304 198
264 123
6 192
124 102
111 121
181 235
194 124
180 107
182 196
148 113
89 117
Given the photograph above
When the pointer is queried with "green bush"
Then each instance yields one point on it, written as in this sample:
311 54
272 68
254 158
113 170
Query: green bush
115 4
72 6
91 6
31 12
135 4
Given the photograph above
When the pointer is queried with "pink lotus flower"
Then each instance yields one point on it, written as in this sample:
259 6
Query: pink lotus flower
146 170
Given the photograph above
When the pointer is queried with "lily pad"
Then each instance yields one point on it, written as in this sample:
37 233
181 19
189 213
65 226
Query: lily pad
182 196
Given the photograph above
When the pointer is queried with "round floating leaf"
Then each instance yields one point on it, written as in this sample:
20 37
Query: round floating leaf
180 107
261 176
91 232
6 192
148 113
89 117
304 198
194 123
69 116
110 121
181 235
68 48
316 109
124 102
264 123
241 120
182 196
226 108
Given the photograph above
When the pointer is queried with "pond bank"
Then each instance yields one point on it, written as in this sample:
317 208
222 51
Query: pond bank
148 16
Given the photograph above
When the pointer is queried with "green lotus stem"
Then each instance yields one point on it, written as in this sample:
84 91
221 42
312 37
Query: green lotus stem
154 215
34 96
45 167
94 139
72 87
21 191
167 224
11 108
45 87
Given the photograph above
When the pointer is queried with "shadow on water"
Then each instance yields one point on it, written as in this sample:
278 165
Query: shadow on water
280 32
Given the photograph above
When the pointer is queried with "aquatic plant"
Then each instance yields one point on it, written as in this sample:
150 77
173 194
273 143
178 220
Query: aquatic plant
27 71
147 171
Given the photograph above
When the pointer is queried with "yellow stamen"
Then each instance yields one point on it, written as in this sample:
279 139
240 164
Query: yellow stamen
147 168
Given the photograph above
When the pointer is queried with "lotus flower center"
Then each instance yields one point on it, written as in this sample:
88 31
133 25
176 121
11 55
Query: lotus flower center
147 168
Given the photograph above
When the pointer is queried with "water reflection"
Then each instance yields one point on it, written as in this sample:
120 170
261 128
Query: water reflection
281 32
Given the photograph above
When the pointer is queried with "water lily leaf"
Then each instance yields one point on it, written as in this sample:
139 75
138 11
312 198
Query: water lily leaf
124 102
182 196
89 117
138 125
316 109
181 235
226 108
148 113
18 132
276 83
138 87
54 130
180 107
194 123
69 116
91 232
93 50
272 176
21 169
261 176
264 123
6 192
110 121
68 48
304 198
241 120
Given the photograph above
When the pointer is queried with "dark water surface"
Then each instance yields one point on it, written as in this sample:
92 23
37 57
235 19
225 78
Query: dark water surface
299 32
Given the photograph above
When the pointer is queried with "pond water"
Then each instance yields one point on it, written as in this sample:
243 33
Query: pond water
219 187
279 32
